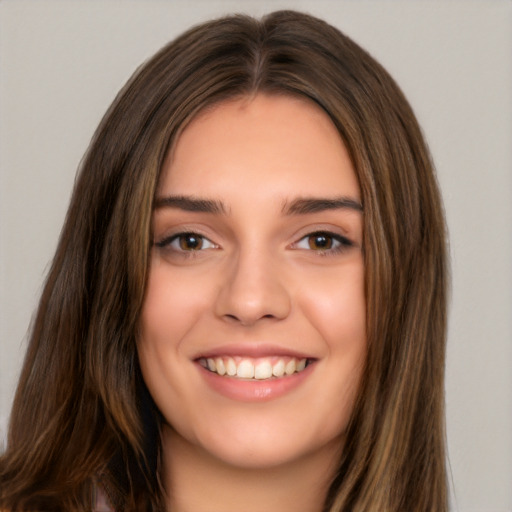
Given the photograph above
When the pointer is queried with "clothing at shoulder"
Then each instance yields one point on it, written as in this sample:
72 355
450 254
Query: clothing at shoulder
100 501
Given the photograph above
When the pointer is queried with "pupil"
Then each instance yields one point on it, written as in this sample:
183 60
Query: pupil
321 242
190 242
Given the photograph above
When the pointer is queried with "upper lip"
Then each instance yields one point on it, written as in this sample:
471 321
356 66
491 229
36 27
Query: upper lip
253 350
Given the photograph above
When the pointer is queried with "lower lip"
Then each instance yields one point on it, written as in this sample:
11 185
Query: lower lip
254 390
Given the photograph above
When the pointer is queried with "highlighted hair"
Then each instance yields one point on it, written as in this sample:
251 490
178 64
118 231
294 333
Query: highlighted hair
82 413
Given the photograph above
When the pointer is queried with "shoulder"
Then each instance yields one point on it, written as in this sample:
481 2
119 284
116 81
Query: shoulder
100 500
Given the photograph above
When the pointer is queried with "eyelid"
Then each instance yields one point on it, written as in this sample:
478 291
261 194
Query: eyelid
168 241
340 242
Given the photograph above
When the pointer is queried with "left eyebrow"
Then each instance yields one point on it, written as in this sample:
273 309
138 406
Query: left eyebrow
303 206
190 204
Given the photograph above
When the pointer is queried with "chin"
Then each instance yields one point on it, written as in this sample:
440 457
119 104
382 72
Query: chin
266 445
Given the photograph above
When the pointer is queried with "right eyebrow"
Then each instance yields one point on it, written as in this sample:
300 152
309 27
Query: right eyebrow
190 204
303 206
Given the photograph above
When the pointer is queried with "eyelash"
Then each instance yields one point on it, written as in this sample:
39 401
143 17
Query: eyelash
340 242
336 243
179 237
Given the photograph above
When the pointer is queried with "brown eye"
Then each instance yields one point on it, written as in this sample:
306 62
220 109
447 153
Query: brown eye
190 242
324 242
320 241
186 242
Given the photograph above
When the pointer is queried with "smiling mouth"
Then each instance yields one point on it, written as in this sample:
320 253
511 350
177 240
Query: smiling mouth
247 368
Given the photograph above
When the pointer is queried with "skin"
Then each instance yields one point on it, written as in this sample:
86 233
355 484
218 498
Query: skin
255 275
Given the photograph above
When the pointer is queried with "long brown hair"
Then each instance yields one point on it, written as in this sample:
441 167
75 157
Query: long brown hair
81 412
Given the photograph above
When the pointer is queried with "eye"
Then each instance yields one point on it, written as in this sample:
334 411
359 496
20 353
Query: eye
186 242
324 242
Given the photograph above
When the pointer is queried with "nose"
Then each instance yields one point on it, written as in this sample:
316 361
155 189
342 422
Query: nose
253 289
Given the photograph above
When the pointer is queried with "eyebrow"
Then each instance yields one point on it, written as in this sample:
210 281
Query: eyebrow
190 204
303 206
300 206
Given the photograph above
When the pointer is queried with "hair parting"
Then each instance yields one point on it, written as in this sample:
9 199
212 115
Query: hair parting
82 415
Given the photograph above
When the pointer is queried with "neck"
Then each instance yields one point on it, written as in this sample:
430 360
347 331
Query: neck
196 481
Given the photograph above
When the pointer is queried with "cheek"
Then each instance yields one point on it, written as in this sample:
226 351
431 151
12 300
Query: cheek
339 315
173 303
170 311
336 306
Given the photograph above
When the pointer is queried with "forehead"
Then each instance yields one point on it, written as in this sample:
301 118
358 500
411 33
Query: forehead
260 143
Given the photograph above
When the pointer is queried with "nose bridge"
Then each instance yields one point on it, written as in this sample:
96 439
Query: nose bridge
254 287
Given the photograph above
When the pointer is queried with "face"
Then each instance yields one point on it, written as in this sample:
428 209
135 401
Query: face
253 329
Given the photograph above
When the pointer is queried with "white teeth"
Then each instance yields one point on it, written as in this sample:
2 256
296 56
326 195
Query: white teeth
278 369
263 370
219 363
230 367
260 369
245 370
290 367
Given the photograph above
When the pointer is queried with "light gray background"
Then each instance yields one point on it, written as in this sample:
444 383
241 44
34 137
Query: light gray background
62 62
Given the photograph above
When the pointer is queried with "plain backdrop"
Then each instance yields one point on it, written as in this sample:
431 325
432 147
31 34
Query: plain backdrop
62 62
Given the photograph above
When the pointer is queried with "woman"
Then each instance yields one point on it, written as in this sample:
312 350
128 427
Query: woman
247 306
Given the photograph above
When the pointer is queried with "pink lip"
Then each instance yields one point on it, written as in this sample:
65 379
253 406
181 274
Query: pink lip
253 350
254 390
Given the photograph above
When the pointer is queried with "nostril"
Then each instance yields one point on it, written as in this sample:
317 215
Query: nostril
248 297
247 321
